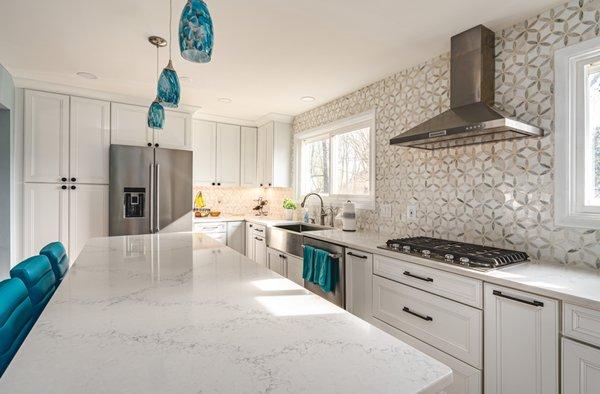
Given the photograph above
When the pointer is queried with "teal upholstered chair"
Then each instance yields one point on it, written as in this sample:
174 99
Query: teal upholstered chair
37 275
16 318
59 260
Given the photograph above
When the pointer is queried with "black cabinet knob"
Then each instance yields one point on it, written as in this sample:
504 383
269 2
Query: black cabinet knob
63 187
73 187
269 184
63 179
149 143
218 183
213 183
73 179
261 184
156 145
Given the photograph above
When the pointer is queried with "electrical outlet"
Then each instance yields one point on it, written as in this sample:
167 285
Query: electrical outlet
385 210
411 212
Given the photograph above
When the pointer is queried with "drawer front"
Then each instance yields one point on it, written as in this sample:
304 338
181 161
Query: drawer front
456 287
581 323
447 325
220 227
580 368
259 229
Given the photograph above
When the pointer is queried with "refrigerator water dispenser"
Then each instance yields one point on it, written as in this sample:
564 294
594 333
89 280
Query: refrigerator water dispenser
134 202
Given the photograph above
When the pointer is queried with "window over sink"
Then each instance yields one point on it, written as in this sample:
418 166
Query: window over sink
577 135
338 161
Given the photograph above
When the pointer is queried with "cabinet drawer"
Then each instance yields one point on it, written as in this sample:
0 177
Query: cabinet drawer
581 323
220 227
447 325
456 287
259 229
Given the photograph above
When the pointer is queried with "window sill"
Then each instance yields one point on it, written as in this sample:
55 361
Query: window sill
578 220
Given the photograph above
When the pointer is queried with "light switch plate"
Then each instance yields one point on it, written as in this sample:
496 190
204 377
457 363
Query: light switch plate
411 212
385 210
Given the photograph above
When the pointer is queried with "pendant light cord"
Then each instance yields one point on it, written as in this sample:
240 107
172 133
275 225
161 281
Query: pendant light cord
170 22
157 64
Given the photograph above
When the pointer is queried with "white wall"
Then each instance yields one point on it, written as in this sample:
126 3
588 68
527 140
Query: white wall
7 100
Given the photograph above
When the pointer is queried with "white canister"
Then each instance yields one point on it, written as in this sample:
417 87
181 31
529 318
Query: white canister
349 216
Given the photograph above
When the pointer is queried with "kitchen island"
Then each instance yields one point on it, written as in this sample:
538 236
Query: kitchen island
182 313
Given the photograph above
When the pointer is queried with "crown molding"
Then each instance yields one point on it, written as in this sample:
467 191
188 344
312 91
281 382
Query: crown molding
274 117
224 119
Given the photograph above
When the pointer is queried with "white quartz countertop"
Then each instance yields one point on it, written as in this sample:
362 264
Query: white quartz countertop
182 313
570 284
266 220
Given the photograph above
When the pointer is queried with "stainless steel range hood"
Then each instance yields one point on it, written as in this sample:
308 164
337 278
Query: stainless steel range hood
471 118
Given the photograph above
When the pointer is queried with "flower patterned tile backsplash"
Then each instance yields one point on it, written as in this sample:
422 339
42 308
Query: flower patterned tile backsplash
499 194
240 200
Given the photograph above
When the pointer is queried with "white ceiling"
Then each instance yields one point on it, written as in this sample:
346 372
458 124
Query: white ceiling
268 53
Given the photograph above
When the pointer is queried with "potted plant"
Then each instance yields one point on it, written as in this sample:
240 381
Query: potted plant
289 206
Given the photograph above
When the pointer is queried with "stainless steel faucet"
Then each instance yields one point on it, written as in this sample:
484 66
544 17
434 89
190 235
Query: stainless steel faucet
323 213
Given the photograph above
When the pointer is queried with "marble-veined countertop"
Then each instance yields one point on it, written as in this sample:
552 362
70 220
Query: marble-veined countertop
181 313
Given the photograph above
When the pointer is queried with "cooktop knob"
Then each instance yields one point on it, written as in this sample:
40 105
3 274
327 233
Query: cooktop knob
449 257
426 253
465 260
406 249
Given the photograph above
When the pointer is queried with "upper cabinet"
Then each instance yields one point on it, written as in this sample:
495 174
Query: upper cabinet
66 139
46 125
274 154
216 153
89 141
129 126
249 143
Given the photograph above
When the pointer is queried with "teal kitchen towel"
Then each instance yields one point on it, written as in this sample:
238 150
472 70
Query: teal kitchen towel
326 271
308 267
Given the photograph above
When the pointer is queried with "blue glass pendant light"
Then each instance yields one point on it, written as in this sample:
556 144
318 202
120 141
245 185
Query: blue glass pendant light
168 89
196 32
156 112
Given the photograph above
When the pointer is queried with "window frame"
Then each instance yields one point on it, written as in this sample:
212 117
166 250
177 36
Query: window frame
329 130
570 135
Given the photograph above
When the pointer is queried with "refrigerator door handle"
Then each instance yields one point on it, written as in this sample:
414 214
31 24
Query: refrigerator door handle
151 198
157 197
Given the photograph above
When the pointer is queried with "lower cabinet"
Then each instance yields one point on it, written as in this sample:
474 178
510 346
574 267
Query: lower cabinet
249 244
260 250
294 269
580 368
88 215
521 342
285 265
236 236
276 261
359 283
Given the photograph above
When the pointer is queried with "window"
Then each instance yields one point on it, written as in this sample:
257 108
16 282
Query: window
337 161
577 135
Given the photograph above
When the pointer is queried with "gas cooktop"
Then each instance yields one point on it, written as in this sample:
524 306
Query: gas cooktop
458 253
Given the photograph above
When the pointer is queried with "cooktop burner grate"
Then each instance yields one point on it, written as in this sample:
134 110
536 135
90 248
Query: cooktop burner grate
470 255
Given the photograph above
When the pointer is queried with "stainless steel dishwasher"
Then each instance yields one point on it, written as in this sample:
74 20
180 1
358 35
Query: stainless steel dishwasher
338 295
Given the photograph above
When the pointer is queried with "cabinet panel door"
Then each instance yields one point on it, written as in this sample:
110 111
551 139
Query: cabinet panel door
236 236
89 140
294 269
204 138
261 155
521 342
45 216
282 153
268 174
276 261
359 283
129 125
46 139
176 133
228 155
260 251
88 216
250 241
580 368
248 159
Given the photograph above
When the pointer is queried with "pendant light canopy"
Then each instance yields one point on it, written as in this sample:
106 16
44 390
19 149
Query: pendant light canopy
156 112
196 32
168 89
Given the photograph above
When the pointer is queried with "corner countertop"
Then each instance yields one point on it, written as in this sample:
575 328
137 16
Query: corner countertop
181 313
571 284
265 220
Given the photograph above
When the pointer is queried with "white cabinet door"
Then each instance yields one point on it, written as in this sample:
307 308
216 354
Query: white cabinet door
228 155
521 342
46 123
280 164
45 216
580 368
88 216
276 261
268 159
294 269
250 241
261 155
260 250
204 137
359 283
129 125
176 133
236 236
89 140
249 144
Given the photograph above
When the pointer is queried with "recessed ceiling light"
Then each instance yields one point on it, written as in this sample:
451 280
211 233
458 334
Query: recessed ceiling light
225 100
87 75
307 99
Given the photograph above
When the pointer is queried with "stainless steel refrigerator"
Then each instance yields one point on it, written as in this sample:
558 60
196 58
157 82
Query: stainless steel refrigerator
150 190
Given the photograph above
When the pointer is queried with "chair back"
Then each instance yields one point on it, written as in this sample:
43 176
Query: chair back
59 260
37 275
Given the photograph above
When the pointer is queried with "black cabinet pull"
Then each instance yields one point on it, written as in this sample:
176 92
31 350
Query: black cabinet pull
73 179
534 302
283 256
261 184
407 310
259 230
149 143
156 145
269 184
407 273
258 239
63 179
218 183
63 187
250 226
213 183
357 255
73 187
